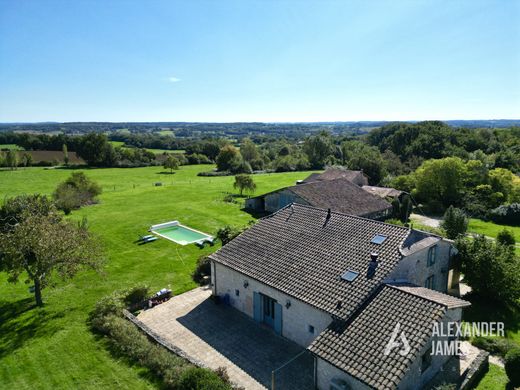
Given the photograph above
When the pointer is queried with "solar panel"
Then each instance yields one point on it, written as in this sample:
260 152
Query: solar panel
349 275
378 239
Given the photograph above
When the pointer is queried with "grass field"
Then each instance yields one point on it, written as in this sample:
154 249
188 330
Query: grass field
156 151
11 147
491 229
52 347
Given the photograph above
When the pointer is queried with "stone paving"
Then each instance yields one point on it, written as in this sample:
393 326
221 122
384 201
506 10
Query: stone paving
220 336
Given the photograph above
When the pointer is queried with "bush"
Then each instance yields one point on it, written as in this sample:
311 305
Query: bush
512 366
78 190
507 215
202 269
202 379
227 233
506 237
494 345
137 295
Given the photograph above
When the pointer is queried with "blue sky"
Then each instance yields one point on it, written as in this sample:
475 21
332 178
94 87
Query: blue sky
258 60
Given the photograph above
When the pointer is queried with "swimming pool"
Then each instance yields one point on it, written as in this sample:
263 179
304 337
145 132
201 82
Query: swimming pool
179 234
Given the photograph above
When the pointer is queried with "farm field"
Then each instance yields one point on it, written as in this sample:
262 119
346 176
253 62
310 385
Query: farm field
10 147
52 346
156 151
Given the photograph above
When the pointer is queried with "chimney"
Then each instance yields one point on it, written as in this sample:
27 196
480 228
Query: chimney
328 214
372 266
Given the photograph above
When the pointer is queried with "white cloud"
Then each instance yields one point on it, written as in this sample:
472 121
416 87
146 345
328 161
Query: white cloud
173 79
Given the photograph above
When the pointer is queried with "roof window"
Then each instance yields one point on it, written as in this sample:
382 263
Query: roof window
378 239
350 275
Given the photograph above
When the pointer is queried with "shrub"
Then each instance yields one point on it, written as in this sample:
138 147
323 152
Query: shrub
507 215
137 294
78 190
227 233
494 345
512 366
506 237
201 379
202 269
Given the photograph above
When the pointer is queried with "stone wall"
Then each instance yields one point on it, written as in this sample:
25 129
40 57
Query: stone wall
414 268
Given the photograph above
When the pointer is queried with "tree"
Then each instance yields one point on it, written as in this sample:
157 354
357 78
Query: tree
11 159
406 209
454 223
441 181
244 183
248 150
228 158
65 154
492 270
171 163
92 148
78 190
359 156
42 244
501 180
27 160
318 149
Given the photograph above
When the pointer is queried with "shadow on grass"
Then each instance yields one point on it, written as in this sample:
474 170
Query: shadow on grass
21 321
165 173
255 213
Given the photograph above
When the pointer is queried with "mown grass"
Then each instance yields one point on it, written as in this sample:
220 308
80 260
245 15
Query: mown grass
495 379
491 229
52 347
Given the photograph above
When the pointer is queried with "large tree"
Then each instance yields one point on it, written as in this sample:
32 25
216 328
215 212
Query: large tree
491 269
360 156
92 148
318 149
454 223
36 243
229 158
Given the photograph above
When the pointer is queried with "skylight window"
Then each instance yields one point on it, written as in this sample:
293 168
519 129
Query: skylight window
350 275
378 239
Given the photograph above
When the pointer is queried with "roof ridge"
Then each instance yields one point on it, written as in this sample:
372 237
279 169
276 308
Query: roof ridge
395 286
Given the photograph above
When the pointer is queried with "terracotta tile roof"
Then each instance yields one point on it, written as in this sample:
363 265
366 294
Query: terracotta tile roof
299 252
342 196
357 345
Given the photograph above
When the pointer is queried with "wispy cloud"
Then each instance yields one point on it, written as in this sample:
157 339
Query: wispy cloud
173 79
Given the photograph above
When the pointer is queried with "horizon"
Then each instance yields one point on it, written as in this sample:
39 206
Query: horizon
269 62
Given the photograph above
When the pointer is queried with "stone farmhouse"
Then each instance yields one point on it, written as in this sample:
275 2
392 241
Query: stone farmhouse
338 285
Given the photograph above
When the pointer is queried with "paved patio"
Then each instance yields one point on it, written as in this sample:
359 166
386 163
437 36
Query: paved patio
220 336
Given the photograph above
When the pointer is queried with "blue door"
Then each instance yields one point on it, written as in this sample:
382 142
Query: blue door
257 307
278 318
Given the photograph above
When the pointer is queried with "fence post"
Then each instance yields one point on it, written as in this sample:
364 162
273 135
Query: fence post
272 380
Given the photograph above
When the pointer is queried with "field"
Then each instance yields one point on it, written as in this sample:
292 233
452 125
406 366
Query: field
52 347
491 229
10 147
496 378
155 151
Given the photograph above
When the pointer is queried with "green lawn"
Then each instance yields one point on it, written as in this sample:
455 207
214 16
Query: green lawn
491 229
495 379
52 347
11 146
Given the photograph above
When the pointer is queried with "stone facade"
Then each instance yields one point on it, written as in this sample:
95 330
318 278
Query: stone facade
415 269
297 319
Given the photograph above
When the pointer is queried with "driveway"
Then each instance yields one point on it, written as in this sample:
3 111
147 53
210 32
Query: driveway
220 336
